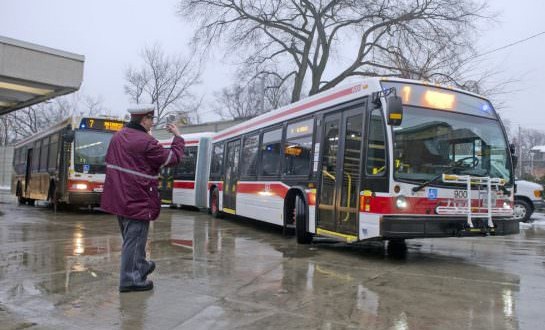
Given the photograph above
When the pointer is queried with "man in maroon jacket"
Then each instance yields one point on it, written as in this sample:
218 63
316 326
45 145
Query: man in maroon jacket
133 162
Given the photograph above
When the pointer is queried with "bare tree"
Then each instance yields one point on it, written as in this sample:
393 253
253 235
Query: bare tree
398 38
259 95
237 101
165 81
5 133
31 120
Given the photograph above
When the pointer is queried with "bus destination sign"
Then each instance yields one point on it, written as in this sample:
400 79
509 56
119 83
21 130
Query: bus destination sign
101 124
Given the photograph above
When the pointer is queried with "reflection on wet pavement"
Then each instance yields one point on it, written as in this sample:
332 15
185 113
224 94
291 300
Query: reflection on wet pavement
61 271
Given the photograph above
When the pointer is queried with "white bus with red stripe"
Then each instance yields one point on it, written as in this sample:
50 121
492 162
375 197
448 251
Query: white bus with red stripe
378 159
185 184
65 163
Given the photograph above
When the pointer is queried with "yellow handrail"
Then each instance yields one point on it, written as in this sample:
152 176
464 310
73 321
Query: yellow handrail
348 199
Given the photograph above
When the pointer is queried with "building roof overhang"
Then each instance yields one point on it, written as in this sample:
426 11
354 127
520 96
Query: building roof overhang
31 73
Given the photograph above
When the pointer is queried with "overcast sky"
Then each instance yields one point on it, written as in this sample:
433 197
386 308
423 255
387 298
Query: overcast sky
111 33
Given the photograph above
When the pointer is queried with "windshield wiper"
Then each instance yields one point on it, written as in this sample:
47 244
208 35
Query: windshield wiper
433 180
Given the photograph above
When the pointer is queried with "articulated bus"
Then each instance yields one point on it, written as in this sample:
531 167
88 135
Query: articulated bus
185 184
380 159
65 163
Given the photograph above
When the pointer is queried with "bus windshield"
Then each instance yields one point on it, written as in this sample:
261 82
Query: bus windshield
90 149
430 142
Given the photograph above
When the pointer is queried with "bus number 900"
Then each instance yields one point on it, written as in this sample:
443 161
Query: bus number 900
460 193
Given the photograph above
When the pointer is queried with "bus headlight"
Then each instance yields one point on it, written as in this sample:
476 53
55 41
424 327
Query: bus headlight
80 186
401 202
507 203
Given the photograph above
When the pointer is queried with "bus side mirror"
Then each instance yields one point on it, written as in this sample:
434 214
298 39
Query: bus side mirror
394 110
68 136
512 148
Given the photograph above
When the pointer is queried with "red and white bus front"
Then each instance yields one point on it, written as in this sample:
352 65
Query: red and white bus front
451 170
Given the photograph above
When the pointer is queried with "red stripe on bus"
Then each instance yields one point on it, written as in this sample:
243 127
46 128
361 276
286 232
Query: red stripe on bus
184 184
416 205
301 107
182 242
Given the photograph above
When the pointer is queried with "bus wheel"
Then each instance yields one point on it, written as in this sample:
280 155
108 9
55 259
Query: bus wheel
214 203
300 212
397 248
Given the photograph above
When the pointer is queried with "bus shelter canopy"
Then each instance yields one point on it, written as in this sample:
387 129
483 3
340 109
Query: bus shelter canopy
31 73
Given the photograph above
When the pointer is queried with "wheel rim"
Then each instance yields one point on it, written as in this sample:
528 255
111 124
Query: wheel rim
519 212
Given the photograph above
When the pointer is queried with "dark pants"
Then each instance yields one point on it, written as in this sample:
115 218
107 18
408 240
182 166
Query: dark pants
133 253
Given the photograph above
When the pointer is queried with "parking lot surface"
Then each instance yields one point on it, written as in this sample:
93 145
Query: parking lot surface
61 271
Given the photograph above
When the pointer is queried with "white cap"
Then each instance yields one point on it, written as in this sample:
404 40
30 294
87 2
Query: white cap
141 109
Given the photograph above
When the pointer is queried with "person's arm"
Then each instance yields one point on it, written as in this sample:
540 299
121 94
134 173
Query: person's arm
159 156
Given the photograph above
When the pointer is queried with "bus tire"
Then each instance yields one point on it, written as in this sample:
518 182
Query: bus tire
300 214
214 209
397 248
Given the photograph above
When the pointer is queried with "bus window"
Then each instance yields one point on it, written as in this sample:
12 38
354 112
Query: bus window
43 154
249 155
185 170
271 153
376 155
297 151
90 151
216 166
36 155
20 163
53 150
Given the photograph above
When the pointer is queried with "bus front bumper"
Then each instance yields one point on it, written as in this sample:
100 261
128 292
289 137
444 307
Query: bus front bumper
428 227
84 198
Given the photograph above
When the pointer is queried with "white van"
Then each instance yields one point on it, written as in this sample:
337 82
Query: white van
528 198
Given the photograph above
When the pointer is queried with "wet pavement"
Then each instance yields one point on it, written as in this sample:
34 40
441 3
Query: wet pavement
61 271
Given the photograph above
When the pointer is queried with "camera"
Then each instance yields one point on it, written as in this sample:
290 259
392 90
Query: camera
171 119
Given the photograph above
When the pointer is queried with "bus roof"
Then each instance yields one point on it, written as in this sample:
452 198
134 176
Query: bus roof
337 95
190 139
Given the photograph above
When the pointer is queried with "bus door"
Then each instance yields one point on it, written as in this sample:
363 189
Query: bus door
340 176
28 171
166 182
231 176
